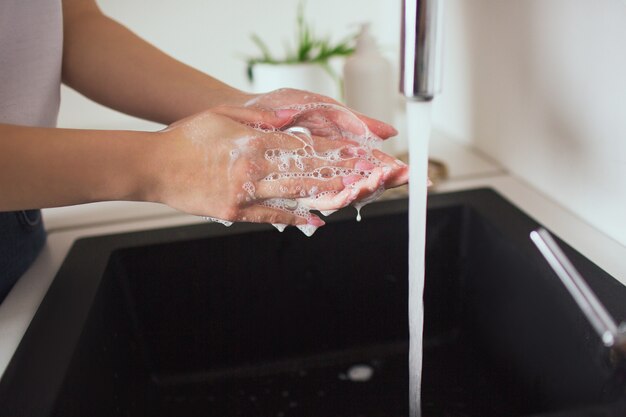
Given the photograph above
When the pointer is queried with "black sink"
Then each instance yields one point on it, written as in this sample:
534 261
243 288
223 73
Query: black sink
245 321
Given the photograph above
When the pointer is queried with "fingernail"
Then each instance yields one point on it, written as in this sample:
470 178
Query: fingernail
350 179
364 165
401 163
285 113
429 183
315 221
348 152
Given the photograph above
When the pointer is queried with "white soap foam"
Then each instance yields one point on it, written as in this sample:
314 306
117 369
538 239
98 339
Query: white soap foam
361 203
249 188
307 229
358 207
281 227
216 220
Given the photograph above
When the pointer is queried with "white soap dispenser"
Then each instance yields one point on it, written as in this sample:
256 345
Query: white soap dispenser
367 79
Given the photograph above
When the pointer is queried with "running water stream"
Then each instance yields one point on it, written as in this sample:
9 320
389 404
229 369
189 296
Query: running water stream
418 120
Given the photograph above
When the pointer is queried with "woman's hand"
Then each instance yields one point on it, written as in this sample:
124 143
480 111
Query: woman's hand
325 119
290 98
216 167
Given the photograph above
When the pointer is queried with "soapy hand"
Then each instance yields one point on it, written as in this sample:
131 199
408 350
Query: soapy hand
216 167
289 97
326 119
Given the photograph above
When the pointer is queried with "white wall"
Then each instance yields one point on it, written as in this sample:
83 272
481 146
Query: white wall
540 86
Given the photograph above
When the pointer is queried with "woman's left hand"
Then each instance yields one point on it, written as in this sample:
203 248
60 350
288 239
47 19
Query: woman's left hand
290 97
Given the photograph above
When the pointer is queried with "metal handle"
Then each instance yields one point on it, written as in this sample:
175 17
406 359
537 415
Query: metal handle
600 319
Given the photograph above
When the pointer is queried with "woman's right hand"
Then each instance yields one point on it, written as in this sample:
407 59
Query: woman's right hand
211 165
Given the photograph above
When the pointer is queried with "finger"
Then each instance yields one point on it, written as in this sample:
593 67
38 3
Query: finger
386 158
290 96
297 187
379 128
399 173
283 156
352 122
300 184
357 188
278 215
398 178
324 144
370 185
256 117
259 213
330 201
333 122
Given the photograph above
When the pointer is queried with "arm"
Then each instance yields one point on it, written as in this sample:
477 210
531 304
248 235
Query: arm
43 167
51 167
206 164
111 65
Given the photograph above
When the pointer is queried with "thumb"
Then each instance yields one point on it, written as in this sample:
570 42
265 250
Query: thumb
379 128
255 117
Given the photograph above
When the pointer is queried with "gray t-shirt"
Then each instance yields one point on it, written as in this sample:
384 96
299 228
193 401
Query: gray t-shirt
31 53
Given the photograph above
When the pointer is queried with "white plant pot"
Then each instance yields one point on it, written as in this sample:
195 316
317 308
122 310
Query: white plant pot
310 77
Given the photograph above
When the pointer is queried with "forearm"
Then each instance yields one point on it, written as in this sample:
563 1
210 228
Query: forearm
41 167
111 65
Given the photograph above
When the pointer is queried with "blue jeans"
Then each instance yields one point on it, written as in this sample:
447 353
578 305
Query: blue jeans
22 236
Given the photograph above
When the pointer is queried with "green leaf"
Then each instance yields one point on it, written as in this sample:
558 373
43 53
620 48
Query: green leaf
267 55
308 48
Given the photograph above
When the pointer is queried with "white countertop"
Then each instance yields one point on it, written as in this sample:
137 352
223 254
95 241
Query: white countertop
467 169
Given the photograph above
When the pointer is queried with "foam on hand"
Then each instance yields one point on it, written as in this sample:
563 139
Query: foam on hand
333 144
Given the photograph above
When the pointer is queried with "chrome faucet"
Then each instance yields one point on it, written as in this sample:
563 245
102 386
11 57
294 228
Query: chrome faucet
420 67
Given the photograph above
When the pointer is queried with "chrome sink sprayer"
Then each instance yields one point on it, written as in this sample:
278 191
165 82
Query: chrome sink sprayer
613 335
420 66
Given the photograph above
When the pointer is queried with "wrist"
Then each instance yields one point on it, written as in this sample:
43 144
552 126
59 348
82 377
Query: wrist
148 167
234 97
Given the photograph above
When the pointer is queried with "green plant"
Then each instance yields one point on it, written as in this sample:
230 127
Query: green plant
309 48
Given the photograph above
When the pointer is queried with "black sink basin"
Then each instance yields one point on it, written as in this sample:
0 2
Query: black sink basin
208 321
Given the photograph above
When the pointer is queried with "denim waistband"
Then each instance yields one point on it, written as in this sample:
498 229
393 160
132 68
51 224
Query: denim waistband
22 236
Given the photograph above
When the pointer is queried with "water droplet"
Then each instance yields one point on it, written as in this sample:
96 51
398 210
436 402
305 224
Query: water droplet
360 373
279 226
